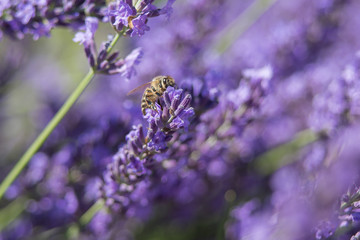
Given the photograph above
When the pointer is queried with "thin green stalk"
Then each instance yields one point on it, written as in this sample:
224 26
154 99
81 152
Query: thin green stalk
115 39
240 24
19 166
9 213
73 230
89 214
277 157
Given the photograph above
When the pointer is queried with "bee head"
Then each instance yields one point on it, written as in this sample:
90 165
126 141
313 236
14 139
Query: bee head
168 81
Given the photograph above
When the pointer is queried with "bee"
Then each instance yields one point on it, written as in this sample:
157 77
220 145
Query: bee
155 89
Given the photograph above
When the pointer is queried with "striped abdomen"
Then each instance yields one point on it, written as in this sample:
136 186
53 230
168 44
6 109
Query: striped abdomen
157 88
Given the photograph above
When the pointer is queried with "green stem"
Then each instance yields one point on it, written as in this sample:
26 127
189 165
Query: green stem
242 23
89 214
114 41
73 230
19 166
45 133
9 213
277 157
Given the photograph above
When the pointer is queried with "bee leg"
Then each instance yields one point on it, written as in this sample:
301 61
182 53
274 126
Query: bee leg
159 103
154 107
150 104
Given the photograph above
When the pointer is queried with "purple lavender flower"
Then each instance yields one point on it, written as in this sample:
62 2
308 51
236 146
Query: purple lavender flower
138 25
39 17
119 13
194 162
349 212
167 10
246 221
132 165
37 168
355 236
128 68
25 12
241 113
105 62
123 14
87 37
99 223
324 230
174 113
337 105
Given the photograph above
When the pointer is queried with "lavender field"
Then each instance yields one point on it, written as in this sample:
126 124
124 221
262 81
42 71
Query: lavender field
259 137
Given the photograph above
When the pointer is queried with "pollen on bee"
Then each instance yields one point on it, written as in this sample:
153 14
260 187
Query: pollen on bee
130 18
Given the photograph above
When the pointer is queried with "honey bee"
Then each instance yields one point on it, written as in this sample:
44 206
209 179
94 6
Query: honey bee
155 89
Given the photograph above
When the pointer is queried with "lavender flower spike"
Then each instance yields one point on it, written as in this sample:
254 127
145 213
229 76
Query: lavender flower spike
139 26
174 111
133 163
119 12
133 59
87 39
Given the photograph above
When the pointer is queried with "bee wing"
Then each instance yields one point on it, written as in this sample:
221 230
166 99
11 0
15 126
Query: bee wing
141 87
